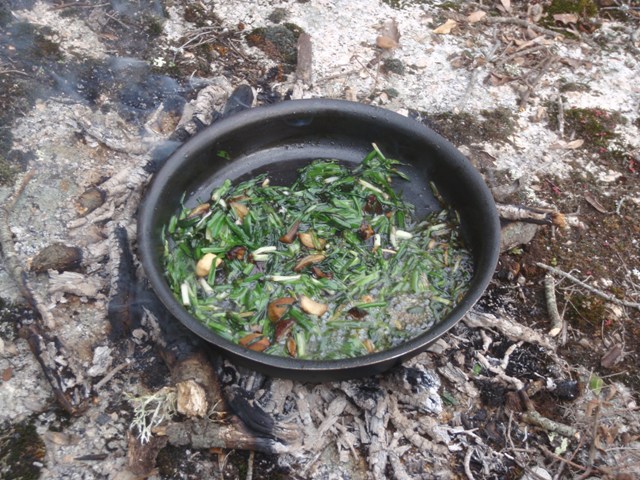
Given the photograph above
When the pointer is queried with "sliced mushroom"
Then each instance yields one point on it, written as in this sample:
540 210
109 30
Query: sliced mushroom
365 231
255 341
291 234
311 240
357 313
240 209
320 274
199 210
237 253
282 329
308 260
292 348
277 308
204 265
312 307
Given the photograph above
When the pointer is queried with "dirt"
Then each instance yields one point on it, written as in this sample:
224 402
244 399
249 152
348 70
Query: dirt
551 121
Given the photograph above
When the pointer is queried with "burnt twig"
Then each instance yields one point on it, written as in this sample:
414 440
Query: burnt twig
69 387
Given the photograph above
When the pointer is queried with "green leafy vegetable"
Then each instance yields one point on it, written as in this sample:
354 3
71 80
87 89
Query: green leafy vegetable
335 265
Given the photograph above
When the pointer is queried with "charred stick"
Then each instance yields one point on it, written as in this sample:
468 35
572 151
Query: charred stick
552 305
595 291
205 433
499 372
407 429
122 310
68 385
399 472
70 388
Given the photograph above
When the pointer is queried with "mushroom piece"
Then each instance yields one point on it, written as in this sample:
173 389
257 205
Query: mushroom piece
311 240
312 307
255 341
199 210
282 329
240 209
291 234
277 308
204 265
292 347
308 260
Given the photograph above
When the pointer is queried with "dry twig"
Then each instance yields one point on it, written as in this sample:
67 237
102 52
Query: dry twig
552 305
521 23
467 463
594 290
533 417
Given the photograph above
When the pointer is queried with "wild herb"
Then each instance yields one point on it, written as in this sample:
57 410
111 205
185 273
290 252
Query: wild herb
334 266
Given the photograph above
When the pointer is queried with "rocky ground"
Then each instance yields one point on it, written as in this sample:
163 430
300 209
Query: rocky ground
541 96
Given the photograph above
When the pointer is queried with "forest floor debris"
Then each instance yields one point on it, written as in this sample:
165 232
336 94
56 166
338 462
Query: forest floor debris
543 101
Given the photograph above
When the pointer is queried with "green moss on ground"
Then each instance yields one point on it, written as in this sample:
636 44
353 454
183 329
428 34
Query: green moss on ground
22 451
279 42
465 128
581 8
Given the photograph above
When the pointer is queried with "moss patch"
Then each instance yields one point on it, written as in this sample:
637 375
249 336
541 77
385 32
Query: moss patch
22 451
581 8
596 127
279 42
393 65
278 15
465 128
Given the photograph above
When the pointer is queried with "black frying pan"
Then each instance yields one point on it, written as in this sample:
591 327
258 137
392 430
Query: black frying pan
278 140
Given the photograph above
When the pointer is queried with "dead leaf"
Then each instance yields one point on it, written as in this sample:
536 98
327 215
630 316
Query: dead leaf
612 357
577 143
476 16
591 200
566 18
446 27
506 4
7 374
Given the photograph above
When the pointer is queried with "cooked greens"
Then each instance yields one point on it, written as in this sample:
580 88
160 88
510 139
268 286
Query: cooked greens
334 266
